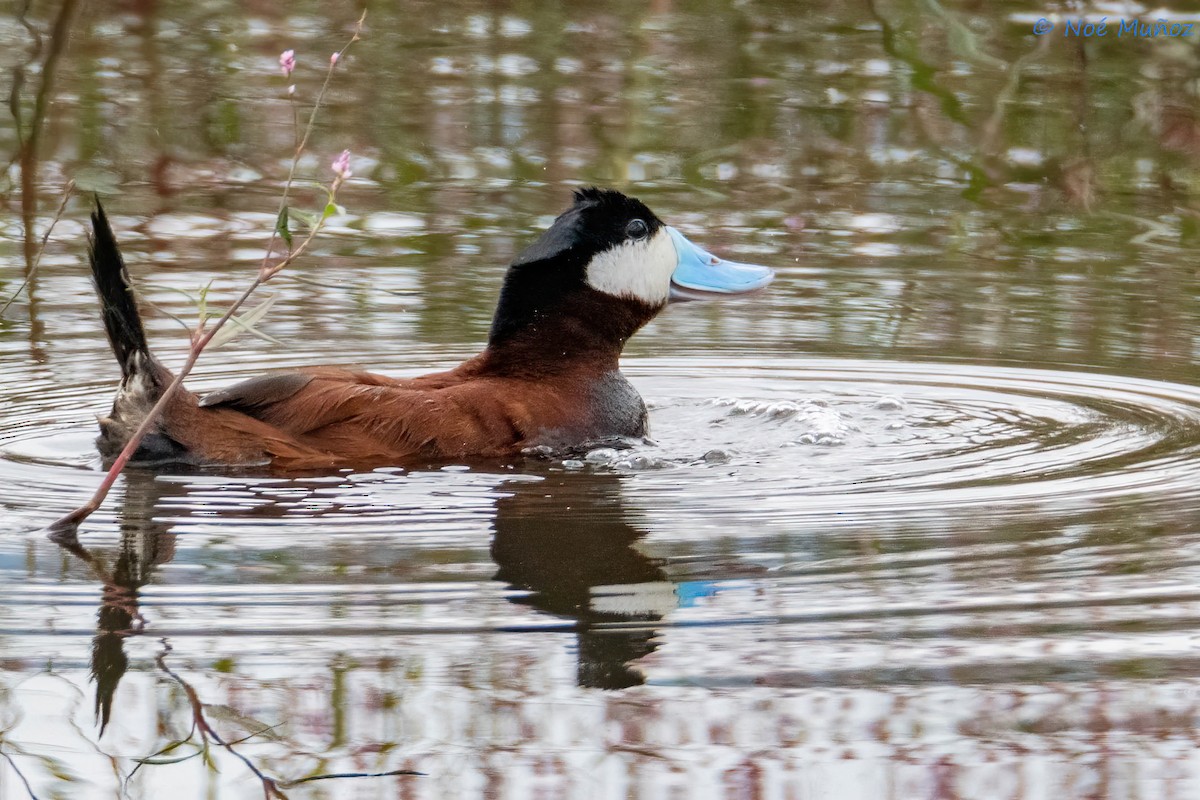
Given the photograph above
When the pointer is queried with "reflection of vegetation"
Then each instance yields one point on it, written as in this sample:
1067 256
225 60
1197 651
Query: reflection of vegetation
146 543
984 168
49 764
29 132
272 787
27 148
13 765
742 115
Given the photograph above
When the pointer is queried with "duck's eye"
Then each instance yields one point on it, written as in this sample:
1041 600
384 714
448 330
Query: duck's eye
637 229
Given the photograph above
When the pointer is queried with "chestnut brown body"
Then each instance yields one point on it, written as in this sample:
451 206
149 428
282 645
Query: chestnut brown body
332 417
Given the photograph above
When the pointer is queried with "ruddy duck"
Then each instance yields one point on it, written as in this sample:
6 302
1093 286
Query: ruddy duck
549 375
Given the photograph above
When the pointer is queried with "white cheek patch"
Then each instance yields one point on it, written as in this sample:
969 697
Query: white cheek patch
638 270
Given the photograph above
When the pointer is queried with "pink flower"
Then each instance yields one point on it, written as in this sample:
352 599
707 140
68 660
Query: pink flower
287 61
341 165
333 59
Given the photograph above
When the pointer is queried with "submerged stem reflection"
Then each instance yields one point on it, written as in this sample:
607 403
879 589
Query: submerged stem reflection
146 543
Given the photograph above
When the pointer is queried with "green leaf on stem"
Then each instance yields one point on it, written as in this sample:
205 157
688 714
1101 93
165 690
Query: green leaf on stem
317 186
307 219
246 323
202 305
281 227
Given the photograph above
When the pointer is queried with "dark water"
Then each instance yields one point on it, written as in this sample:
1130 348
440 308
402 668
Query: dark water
922 521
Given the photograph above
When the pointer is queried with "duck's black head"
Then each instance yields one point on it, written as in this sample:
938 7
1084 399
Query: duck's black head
603 267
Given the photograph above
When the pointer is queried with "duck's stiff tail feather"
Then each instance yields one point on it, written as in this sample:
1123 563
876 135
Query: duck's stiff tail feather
143 378
118 307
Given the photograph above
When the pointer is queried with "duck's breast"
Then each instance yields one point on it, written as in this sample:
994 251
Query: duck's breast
617 408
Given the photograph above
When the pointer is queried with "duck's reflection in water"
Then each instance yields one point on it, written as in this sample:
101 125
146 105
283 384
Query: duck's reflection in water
564 539
145 543
569 541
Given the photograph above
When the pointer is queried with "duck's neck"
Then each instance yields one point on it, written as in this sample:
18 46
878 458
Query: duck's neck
581 332
552 347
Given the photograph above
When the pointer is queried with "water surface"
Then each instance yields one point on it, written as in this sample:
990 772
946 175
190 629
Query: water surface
919 521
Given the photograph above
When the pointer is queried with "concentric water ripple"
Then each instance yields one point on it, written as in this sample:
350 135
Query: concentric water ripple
768 440
865 437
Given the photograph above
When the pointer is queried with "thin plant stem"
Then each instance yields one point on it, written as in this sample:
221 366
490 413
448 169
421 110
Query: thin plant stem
308 129
68 190
66 526
342 775
68 523
20 774
270 786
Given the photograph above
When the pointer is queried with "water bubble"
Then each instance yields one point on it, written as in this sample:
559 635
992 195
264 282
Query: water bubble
601 455
889 403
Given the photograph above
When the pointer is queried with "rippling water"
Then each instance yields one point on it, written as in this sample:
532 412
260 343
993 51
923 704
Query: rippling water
918 522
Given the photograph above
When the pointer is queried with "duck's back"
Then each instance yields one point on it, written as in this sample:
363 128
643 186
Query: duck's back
368 418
